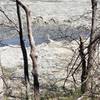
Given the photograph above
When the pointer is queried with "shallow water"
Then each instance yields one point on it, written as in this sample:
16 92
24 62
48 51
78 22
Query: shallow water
59 10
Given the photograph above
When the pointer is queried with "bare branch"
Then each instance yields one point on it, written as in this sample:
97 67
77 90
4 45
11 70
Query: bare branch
1 10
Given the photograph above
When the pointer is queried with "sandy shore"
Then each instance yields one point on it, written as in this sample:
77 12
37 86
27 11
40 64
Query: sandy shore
11 55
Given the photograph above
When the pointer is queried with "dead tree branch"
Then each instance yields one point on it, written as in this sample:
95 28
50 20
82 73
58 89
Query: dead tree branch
33 54
92 48
15 26
84 70
24 52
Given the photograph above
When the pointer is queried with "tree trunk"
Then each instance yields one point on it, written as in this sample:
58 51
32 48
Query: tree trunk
92 46
33 56
32 52
24 52
84 70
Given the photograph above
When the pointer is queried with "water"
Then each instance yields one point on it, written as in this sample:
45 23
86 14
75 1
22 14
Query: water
60 10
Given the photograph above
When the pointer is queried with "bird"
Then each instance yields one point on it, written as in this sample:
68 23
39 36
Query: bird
49 40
